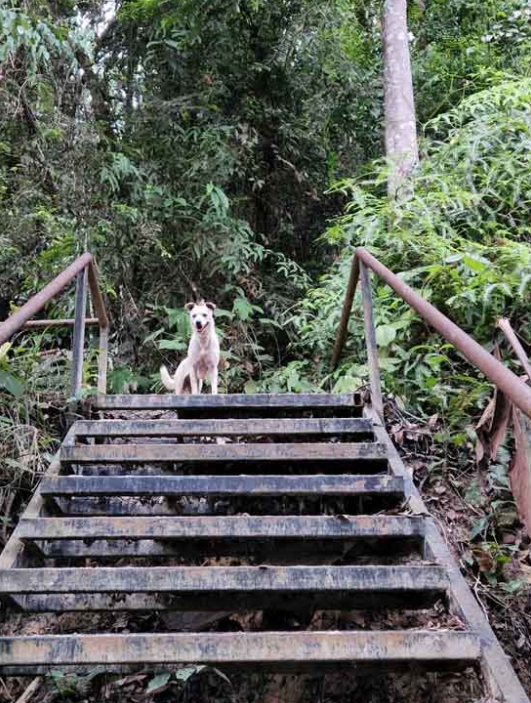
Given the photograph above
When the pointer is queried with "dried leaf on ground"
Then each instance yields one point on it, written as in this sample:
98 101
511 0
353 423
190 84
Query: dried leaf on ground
520 471
492 427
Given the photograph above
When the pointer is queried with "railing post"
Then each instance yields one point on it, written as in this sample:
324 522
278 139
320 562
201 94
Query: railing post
102 360
345 313
370 341
505 326
101 313
79 332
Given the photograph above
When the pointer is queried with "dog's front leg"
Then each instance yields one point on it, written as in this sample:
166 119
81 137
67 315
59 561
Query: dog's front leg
214 380
193 382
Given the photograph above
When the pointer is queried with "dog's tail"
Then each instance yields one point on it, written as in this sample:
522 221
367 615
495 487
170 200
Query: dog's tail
175 384
166 379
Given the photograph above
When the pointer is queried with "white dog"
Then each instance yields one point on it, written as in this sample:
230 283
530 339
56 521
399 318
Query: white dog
203 353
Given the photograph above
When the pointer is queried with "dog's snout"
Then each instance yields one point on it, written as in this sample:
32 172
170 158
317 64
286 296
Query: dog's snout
198 324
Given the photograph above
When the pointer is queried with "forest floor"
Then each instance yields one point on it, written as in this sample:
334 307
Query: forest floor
490 573
509 615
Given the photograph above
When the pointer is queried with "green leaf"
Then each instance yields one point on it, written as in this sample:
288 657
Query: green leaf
473 494
479 527
17 465
385 334
273 323
12 384
474 264
172 344
178 319
513 586
6 346
158 682
151 337
347 384
243 308
185 673
224 313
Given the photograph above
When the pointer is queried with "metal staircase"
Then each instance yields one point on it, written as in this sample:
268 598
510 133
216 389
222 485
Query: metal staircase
288 506
285 504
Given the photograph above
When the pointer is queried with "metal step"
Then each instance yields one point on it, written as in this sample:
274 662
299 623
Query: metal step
226 428
188 579
227 486
278 649
234 588
145 453
224 405
215 528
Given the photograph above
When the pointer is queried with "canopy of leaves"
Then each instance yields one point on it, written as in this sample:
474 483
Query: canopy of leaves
188 145
203 148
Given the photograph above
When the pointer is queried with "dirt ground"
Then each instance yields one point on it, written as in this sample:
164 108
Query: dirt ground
211 685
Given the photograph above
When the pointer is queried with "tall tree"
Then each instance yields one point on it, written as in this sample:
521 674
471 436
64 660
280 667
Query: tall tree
400 122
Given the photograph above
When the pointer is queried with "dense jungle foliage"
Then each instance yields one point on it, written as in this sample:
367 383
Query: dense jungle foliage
233 149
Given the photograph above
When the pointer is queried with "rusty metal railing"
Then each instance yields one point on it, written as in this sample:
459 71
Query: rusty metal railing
84 271
518 391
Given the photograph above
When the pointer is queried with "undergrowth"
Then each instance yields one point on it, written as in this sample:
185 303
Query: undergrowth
461 239
34 392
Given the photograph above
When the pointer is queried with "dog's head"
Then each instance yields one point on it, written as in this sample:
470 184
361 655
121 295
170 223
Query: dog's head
201 314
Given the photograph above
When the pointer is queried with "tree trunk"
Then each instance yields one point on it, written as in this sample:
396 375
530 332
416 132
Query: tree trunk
401 142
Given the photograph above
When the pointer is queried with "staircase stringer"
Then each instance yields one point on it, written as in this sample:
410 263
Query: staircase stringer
498 674
16 553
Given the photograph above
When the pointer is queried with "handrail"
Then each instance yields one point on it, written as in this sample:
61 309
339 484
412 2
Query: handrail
15 321
502 377
84 270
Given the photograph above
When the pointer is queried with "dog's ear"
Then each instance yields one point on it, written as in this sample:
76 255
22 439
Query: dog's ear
189 306
211 306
